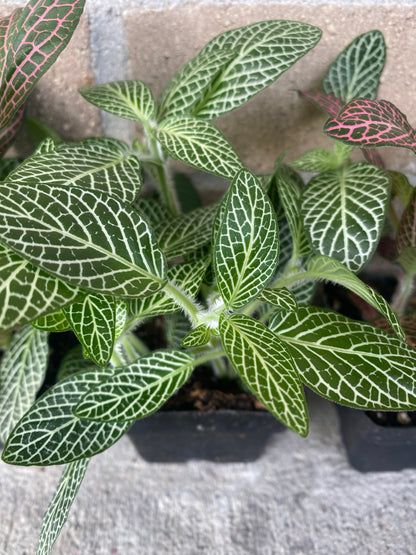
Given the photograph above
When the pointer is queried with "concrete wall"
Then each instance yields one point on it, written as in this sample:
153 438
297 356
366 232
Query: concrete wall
150 40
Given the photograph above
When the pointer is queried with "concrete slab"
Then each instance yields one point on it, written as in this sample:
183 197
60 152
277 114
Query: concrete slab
301 497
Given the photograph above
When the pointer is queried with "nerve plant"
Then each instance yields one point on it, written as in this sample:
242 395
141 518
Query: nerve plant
82 250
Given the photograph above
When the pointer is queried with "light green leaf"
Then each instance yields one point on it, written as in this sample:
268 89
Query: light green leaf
400 187
280 298
60 505
352 363
93 321
200 144
290 195
187 233
343 212
52 322
186 275
246 248
125 99
100 164
83 237
323 267
121 316
322 159
137 390
197 337
263 51
189 85
266 366
22 371
27 292
49 433
356 71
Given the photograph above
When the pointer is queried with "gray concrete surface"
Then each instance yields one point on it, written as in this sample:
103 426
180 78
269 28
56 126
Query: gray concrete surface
300 497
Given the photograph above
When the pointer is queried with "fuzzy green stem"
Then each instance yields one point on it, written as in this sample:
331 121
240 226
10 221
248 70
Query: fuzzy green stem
209 356
185 302
160 172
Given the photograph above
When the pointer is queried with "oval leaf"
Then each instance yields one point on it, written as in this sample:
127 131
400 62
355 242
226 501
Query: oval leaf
58 510
22 371
356 71
137 390
200 144
343 212
352 363
125 99
33 39
246 248
266 366
372 123
83 237
102 164
93 321
49 433
52 322
263 51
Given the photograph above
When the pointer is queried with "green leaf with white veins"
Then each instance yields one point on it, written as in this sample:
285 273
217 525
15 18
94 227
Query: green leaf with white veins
186 234
52 322
93 321
49 433
125 99
266 366
263 51
323 267
356 71
82 237
349 362
280 298
100 164
290 194
27 292
22 371
189 85
246 249
200 144
137 390
343 212
58 510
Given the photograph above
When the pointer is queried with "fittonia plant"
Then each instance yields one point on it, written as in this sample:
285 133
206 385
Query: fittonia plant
82 250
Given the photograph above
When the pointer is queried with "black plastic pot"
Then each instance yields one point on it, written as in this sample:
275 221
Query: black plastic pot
371 447
219 436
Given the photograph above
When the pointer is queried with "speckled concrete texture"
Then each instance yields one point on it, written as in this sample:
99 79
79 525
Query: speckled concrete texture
301 497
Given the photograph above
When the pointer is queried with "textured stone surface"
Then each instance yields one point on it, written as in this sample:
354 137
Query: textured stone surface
160 41
301 497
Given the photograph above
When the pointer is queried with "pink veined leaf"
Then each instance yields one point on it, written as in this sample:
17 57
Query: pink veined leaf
406 235
32 39
8 133
326 102
370 123
6 24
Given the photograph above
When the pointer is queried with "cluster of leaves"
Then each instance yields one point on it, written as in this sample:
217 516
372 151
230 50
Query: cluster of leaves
82 250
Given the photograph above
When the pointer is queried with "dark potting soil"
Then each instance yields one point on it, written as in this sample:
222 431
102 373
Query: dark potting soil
204 392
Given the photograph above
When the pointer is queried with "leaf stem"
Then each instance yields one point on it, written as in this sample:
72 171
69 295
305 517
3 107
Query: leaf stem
160 171
186 303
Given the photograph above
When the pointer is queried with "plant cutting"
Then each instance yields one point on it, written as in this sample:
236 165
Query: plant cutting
83 250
